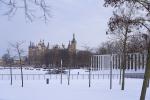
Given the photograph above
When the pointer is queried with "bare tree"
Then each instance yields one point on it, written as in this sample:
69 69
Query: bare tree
10 65
32 8
140 4
87 55
120 26
108 47
143 21
5 58
18 49
8 62
136 44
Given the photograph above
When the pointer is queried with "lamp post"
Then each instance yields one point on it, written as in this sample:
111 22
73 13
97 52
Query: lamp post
111 71
90 67
10 61
61 71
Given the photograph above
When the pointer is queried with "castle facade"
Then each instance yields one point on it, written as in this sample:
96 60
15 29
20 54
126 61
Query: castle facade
41 54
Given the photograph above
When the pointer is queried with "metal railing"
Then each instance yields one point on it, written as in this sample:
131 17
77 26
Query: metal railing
65 76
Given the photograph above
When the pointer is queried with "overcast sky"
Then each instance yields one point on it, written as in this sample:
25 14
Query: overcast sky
86 18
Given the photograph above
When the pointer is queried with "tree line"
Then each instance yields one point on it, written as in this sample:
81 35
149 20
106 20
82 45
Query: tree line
51 58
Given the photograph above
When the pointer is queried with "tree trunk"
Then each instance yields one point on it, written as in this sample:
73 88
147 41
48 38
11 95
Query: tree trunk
120 74
124 59
61 73
120 69
21 76
123 79
89 76
10 74
111 72
146 77
123 71
21 71
69 77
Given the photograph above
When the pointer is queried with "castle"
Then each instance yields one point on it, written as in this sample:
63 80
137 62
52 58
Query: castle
39 54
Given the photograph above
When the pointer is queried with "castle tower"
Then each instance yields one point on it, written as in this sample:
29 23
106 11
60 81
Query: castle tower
73 43
31 52
72 46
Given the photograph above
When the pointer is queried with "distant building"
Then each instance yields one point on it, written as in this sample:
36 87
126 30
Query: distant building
36 51
72 45
39 54
16 60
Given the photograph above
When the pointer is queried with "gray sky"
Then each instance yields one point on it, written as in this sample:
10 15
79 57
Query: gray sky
86 18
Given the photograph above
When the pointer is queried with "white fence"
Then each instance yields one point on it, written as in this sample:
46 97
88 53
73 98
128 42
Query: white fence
65 76
133 61
56 76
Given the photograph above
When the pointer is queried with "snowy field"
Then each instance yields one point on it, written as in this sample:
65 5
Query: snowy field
77 90
74 71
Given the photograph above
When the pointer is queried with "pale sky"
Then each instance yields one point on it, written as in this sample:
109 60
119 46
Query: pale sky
86 18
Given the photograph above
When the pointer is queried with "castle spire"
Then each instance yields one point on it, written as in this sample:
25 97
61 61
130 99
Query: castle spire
48 45
73 40
73 35
30 45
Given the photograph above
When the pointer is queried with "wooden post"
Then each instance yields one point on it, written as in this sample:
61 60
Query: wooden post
61 71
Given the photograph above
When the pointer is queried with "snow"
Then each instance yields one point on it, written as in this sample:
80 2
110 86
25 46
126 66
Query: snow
73 71
77 90
25 70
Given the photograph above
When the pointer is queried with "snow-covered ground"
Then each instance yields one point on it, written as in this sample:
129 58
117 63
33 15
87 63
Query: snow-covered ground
74 71
77 90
